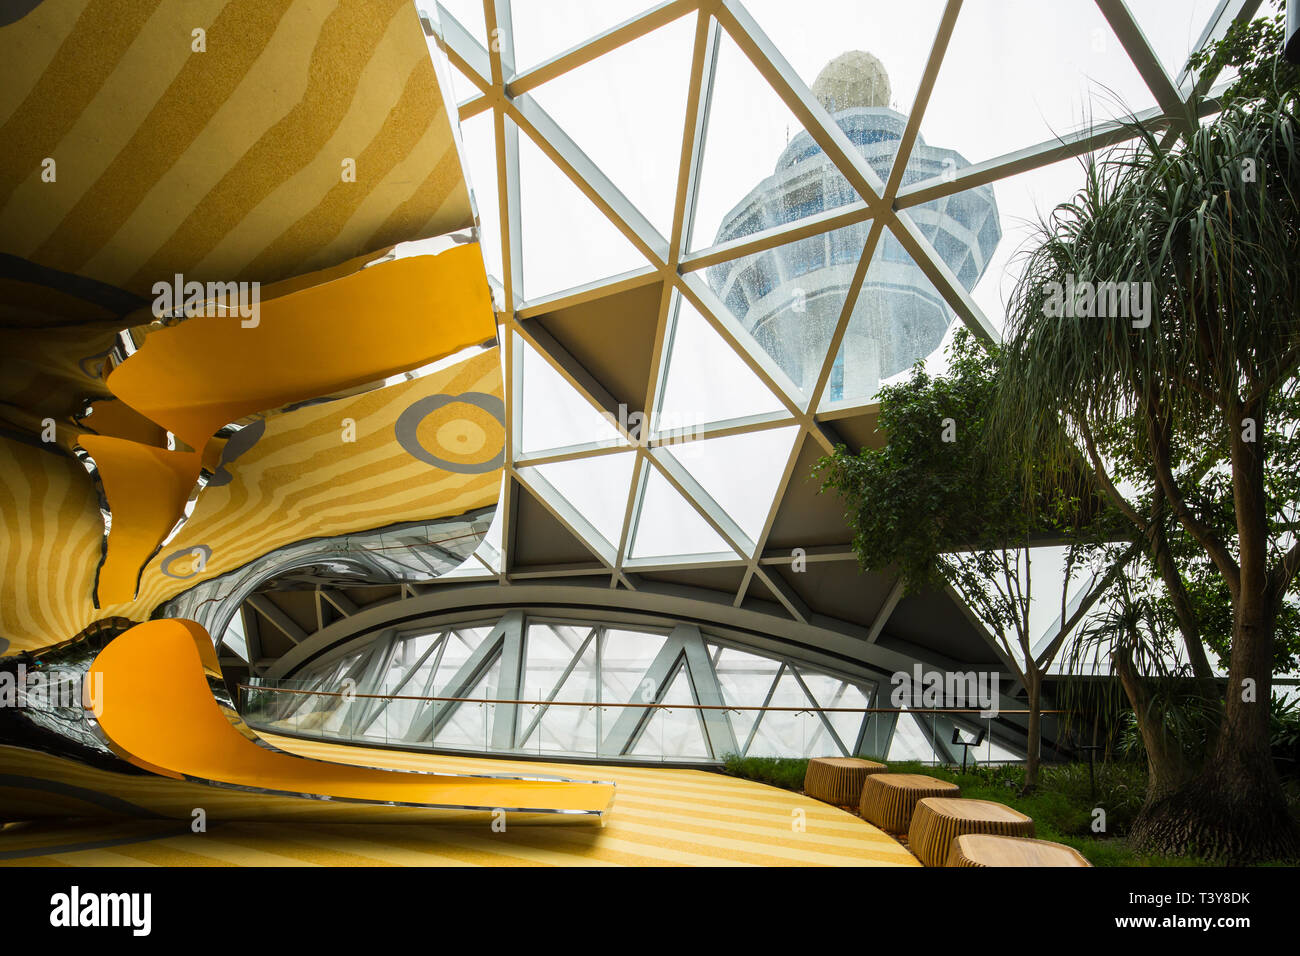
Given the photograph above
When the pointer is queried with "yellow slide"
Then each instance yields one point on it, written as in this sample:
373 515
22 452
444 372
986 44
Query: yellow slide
157 711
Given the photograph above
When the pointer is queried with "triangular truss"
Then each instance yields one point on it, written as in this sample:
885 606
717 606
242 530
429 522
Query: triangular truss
880 209
522 684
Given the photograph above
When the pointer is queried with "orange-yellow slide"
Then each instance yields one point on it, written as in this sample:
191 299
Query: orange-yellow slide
157 711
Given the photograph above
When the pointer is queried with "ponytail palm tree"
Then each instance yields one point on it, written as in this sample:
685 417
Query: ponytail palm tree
1154 334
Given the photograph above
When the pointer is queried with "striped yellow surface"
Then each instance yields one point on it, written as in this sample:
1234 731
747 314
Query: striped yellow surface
36 787
227 162
53 371
215 139
300 480
661 817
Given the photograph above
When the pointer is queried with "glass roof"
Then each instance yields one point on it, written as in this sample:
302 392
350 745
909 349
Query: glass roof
745 161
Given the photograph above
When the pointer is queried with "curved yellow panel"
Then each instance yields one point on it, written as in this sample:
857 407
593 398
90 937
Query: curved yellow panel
203 373
117 419
195 377
158 713
146 489
299 480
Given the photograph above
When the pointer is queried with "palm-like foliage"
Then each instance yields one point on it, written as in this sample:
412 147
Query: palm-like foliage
1211 224
1185 395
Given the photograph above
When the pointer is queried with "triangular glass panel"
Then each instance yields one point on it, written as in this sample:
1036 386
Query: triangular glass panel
566 240
668 526
671 733
460 644
789 299
472 567
760 168
786 733
831 693
625 657
480 157
554 414
740 472
913 739
233 639
624 110
546 28
997 92
1022 202
706 381
565 729
865 70
745 680
340 715
469 725
548 649
996 752
408 680
596 486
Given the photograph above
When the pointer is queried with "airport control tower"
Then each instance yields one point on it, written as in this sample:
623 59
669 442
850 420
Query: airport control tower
790 298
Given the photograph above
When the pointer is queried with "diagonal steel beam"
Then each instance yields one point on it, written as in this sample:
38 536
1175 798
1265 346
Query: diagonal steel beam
569 668
436 715
600 44
882 616
942 278
631 722
720 736
272 613
785 81
1144 58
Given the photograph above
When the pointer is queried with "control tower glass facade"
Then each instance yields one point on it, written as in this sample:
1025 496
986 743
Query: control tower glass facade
790 298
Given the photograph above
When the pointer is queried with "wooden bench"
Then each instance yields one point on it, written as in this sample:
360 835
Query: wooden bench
889 798
987 849
839 780
938 821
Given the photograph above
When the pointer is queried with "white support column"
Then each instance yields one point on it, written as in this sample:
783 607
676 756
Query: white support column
708 693
505 717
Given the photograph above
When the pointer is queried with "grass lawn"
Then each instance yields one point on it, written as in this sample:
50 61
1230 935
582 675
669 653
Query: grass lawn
1063 808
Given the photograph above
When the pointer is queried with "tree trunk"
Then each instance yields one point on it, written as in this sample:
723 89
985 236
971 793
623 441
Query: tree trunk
1167 765
1234 811
1034 686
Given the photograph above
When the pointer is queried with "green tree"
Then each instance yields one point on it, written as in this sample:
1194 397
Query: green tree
1182 394
934 504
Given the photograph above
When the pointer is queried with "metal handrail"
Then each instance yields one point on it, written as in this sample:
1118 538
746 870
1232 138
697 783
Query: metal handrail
642 706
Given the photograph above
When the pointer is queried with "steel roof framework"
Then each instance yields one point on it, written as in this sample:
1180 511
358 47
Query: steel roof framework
506 94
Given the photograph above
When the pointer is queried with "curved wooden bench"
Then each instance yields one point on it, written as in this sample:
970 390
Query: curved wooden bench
987 849
839 780
940 820
889 798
